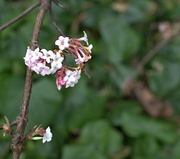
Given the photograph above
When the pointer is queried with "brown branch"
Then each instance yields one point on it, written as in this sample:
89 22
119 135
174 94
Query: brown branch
54 23
152 52
31 8
150 103
17 140
58 4
155 50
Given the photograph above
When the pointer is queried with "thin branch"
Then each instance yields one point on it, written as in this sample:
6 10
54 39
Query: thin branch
151 104
31 8
54 23
17 140
151 53
58 4
155 50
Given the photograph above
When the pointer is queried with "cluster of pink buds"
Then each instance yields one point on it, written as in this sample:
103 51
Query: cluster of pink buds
45 62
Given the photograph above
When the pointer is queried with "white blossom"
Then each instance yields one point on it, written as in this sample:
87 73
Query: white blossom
47 136
62 42
43 62
72 77
67 78
56 63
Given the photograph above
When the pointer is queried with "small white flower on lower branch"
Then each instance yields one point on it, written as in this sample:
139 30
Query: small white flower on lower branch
47 136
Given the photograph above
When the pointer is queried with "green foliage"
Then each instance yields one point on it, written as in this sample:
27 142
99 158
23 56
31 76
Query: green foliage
93 120
97 140
121 34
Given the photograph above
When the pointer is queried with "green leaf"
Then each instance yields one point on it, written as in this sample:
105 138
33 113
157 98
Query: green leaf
44 103
123 106
87 112
136 125
174 99
133 14
159 81
121 74
145 147
12 97
100 134
176 148
122 43
141 10
82 152
97 140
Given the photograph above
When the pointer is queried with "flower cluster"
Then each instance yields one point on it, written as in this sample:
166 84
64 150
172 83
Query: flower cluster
67 78
42 61
45 62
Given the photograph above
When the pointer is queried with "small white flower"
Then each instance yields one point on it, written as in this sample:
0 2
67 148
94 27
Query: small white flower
47 136
72 78
81 57
37 54
90 47
84 38
41 68
32 57
28 56
43 62
47 55
56 63
62 42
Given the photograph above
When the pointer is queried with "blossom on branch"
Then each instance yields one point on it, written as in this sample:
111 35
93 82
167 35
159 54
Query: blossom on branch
84 38
62 42
45 62
45 135
42 61
67 78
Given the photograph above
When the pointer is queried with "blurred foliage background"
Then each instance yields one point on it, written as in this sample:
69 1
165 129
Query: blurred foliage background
95 120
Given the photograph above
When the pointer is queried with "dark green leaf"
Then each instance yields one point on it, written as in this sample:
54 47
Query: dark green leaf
135 126
122 43
44 103
102 136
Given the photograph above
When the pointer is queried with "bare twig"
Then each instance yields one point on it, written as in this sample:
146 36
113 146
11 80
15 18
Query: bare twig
151 53
151 104
58 4
54 23
17 140
31 8
155 50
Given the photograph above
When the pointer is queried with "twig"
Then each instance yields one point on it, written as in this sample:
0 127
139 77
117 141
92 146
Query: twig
31 8
54 23
151 104
155 50
17 140
58 4
151 53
